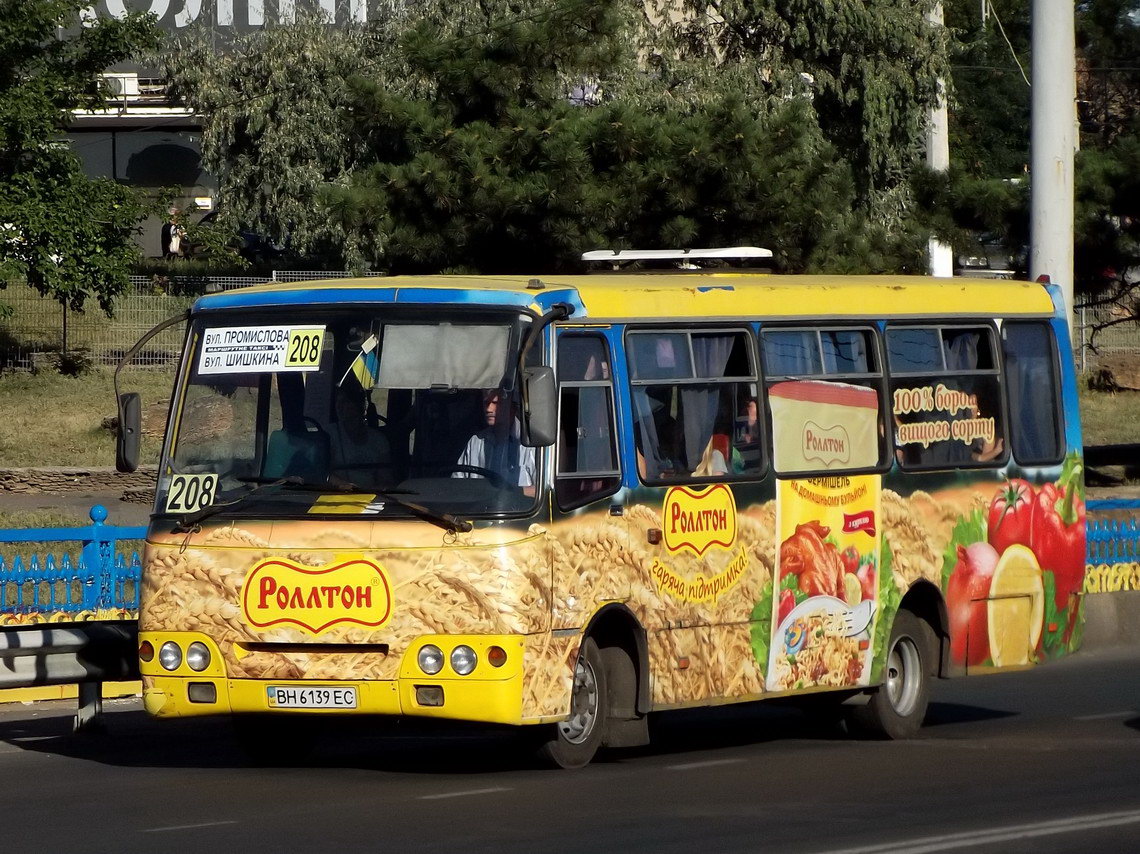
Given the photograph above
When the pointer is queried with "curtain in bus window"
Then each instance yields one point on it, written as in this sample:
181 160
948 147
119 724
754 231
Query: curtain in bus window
962 351
845 351
914 350
1032 389
660 356
699 404
792 353
648 444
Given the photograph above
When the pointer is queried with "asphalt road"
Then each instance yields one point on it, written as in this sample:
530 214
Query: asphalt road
1045 760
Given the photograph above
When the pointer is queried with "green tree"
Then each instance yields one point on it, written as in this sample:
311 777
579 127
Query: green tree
65 234
518 133
989 92
871 69
987 188
275 124
526 133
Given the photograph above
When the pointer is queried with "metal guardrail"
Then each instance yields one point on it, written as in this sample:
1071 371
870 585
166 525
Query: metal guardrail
66 622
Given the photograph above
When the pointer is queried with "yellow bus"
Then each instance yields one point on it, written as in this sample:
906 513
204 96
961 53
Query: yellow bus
563 503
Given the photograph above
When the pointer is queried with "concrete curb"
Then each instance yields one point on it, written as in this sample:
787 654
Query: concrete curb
1112 619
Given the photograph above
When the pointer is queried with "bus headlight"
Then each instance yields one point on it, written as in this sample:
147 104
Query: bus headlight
463 659
430 659
198 656
170 655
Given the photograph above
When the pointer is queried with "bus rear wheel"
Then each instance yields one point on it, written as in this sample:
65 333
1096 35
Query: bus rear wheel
897 707
573 742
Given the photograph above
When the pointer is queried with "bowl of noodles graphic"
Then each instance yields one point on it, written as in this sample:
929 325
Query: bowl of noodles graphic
813 646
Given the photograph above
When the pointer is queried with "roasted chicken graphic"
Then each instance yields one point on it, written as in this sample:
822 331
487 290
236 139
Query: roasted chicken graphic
817 564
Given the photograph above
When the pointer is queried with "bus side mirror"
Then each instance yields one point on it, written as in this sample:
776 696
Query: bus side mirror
129 432
540 424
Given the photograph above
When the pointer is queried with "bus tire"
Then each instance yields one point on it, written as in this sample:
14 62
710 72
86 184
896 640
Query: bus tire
897 707
573 742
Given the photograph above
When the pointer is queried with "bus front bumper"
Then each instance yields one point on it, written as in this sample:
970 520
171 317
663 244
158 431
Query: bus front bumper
489 696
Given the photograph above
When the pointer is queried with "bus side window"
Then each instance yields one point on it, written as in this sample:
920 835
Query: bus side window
587 448
946 397
1030 352
695 407
825 392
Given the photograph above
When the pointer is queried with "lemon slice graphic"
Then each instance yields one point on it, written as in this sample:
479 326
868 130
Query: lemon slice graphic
1016 607
852 589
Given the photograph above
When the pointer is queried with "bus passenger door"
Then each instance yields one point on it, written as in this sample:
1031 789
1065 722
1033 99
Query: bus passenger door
589 521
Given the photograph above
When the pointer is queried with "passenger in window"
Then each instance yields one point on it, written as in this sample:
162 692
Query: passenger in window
748 430
360 452
713 462
497 448
986 449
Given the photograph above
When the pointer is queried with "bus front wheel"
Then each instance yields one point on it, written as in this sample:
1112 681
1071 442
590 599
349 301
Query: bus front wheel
897 707
573 742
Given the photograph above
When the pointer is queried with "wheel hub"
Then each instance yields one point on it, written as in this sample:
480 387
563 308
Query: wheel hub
583 704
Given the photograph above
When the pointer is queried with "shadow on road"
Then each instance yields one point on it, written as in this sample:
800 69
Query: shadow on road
408 746
940 714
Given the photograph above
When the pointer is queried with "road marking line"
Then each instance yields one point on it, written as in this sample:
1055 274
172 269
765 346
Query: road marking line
463 794
1105 716
1009 833
186 826
688 766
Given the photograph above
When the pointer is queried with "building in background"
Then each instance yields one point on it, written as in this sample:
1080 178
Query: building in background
143 138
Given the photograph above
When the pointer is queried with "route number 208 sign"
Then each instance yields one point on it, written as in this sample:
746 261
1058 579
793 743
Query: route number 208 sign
191 492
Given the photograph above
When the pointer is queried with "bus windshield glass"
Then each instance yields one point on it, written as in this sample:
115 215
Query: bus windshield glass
336 408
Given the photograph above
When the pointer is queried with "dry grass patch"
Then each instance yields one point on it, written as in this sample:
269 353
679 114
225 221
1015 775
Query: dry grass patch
48 419
1109 418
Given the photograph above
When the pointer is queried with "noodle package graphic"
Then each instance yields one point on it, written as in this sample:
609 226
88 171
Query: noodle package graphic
826 563
278 592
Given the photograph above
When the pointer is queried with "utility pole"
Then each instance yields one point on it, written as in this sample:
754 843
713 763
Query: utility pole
1052 145
940 256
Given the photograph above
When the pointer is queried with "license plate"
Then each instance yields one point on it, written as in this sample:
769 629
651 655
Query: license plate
311 697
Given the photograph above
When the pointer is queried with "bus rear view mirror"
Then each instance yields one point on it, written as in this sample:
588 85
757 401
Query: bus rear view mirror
129 432
540 424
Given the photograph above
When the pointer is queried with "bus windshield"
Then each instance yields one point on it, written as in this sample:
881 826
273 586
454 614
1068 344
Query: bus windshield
338 407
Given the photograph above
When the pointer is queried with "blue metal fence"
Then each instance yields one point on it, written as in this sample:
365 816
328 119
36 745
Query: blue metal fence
1113 541
103 578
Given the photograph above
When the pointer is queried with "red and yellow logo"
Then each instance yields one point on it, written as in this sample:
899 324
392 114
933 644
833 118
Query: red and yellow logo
280 592
698 519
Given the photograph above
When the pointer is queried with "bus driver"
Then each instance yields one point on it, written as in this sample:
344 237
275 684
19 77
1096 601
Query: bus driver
497 446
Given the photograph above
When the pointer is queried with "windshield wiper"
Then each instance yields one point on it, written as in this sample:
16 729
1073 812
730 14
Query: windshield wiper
191 520
443 520
446 521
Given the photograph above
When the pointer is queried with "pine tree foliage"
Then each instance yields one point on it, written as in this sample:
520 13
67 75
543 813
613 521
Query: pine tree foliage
276 123
871 68
67 235
986 192
529 133
989 97
515 134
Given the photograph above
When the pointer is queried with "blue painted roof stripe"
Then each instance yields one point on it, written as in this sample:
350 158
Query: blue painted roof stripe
358 295
239 299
